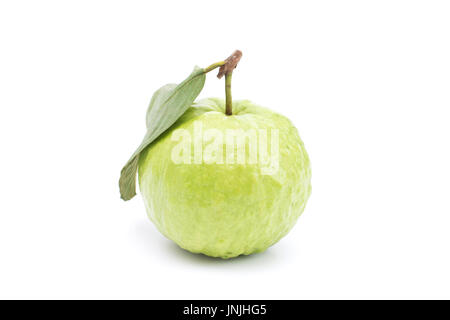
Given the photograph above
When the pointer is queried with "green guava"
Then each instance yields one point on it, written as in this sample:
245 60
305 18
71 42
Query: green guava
217 205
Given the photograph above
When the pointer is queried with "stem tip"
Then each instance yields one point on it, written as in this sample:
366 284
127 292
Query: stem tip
230 63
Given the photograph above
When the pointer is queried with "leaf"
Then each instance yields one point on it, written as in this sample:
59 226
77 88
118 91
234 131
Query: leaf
166 106
158 98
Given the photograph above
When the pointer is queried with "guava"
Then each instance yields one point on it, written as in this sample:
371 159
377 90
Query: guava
225 208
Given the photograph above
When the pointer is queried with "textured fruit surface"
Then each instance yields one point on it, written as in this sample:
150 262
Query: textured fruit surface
219 209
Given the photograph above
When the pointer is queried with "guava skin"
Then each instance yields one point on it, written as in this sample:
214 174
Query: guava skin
225 210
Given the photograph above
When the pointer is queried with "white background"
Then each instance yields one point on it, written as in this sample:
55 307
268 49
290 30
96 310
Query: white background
366 83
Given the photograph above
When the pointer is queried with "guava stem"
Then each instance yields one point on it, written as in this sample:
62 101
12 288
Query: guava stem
226 69
228 98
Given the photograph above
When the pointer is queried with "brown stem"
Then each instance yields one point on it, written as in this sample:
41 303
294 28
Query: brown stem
230 63
227 70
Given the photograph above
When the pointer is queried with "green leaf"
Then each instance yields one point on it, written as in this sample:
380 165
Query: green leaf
167 105
160 95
